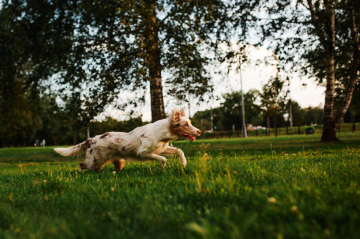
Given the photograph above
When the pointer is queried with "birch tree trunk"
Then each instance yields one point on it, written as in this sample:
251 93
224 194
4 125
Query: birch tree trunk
332 123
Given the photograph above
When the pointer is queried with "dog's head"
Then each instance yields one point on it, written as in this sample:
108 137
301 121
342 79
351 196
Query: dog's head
181 126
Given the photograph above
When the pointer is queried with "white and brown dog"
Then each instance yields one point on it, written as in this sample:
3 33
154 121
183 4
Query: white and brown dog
144 143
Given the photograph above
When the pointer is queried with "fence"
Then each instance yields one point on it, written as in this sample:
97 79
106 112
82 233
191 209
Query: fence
348 127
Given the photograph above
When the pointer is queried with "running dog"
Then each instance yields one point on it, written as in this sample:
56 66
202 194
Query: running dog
149 142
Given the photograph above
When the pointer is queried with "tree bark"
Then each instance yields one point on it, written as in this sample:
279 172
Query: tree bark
354 69
329 128
332 123
154 66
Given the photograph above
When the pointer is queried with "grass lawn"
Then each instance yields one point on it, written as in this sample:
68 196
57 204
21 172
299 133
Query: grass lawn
266 187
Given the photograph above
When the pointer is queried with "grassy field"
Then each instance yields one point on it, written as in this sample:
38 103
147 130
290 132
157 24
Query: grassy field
284 187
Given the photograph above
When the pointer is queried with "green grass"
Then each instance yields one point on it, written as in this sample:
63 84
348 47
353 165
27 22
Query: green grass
223 192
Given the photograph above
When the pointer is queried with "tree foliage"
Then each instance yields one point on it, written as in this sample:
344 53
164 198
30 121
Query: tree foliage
273 96
86 53
231 109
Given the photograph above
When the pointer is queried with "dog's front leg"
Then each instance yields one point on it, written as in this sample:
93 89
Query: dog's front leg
162 160
171 151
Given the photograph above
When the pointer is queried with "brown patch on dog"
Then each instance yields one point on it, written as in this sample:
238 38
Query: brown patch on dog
176 115
178 129
83 165
95 159
91 150
87 143
104 135
117 140
143 135
174 126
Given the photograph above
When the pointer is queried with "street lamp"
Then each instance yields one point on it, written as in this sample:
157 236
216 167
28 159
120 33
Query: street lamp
290 110
243 127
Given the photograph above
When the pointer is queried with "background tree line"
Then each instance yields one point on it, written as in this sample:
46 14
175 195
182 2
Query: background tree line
224 117
52 123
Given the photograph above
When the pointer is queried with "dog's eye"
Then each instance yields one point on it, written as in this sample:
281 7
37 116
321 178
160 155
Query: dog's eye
186 124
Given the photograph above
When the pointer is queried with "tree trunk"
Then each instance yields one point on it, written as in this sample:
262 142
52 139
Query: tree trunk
154 66
331 123
329 128
353 72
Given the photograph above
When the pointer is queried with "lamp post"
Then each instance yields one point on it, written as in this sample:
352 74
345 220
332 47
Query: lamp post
211 120
290 110
243 127
189 103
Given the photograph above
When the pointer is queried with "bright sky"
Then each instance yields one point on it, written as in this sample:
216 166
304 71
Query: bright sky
253 78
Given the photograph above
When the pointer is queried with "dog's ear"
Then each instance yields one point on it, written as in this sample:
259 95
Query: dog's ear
182 112
176 115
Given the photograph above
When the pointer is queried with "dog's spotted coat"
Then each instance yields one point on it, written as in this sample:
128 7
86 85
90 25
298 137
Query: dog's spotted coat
149 142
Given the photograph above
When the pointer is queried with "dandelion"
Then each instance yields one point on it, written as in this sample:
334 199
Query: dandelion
294 210
44 181
46 198
112 189
98 180
114 172
272 200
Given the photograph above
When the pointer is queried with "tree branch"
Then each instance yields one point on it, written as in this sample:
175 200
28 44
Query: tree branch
316 24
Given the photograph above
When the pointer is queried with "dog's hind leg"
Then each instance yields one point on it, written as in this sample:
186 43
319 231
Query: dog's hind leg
82 167
119 164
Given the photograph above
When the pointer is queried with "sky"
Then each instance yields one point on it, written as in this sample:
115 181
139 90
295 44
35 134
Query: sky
254 76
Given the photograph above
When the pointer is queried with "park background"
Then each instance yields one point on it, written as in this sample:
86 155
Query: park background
74 69
69 68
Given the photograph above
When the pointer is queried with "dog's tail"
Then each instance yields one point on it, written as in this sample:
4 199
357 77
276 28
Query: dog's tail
74 150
